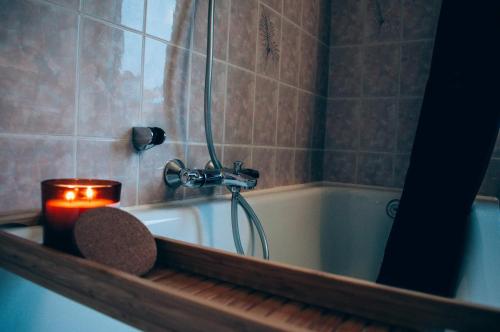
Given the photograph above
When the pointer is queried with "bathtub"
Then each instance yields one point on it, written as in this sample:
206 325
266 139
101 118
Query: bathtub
334 228
330 227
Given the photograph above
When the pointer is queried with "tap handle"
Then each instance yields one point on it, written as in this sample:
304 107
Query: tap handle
250 172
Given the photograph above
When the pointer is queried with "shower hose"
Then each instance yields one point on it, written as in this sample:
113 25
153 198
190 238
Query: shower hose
236 197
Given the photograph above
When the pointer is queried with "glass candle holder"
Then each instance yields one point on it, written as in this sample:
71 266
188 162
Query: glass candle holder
63 200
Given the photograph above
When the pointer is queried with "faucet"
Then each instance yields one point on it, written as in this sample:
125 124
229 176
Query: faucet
176 174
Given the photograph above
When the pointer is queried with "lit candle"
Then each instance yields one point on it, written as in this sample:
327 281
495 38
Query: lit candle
64 200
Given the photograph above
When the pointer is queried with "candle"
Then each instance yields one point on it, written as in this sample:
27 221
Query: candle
64 200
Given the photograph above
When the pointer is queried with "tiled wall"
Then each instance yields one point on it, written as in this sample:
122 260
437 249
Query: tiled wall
380 53
75 76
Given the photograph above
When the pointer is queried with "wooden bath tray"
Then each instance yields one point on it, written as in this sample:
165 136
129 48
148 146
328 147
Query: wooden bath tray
202 289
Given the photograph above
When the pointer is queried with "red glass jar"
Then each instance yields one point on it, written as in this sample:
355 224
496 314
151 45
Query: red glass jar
63 200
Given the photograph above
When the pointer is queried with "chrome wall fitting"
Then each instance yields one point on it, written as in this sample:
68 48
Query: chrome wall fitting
144 138
177 174
172 173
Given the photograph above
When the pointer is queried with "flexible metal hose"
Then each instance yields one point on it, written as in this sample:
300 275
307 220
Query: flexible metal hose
208 87
256 222
236 198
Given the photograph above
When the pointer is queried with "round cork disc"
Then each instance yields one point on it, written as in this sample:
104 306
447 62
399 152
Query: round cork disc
115 238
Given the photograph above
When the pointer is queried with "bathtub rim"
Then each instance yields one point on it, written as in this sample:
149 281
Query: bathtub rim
277 190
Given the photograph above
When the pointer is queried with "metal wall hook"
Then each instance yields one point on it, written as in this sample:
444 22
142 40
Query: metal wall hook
144 138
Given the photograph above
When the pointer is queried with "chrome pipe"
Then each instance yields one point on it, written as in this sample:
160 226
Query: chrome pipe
208 87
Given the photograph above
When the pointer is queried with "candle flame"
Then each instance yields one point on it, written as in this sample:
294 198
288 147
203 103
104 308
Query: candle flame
89 193
69 195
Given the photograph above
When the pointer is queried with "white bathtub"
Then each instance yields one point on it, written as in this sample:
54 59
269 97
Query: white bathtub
333 228
338 229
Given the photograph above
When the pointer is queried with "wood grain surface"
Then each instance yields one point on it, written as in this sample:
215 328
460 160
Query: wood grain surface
193 288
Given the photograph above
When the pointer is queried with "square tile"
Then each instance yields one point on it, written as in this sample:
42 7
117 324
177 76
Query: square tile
25 162
310 13
378 125
263 161
345 70
420 18
415 67
129 13
240 106
302 166
171 20
196 106
287 112
243 28
342 124
375 169
308 62
339 166
110 80
290 53
383 20
110 160
381 70
305 118
346 22
37 64
266 108
269 43
292 10
165 96
284 171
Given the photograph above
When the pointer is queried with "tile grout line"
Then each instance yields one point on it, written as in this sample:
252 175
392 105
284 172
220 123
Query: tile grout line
294 158
398 97
226 85
255 76
273 160
189 82
363 46
383 43
141 106
77 90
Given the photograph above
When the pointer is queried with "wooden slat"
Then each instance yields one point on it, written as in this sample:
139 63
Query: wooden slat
133 300
217 290
196 288
180 280
377 328
158 273
305 317
228 292
267 307
252 299
326 322
286 311
378 302
351 325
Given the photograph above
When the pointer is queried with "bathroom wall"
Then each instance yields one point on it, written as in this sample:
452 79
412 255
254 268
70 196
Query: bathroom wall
75 76
380 54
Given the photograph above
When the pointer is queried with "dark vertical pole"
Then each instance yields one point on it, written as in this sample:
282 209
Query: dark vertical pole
456 133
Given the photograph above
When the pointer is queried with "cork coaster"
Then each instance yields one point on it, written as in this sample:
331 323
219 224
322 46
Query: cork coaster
115 238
